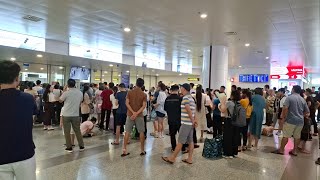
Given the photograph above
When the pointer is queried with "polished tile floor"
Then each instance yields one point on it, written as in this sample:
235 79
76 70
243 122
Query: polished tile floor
102 161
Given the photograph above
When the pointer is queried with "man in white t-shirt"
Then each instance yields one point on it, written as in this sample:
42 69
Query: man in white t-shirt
38 86
72 100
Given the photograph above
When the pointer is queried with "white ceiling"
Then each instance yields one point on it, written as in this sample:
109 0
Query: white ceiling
287 31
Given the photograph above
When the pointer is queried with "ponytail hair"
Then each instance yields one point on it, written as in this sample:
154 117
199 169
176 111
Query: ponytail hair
199 97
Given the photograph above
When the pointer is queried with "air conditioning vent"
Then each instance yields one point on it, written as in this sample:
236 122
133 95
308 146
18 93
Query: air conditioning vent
181 57
259 52
32 18
231 33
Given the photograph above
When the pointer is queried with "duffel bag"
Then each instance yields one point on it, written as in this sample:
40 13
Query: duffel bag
213 147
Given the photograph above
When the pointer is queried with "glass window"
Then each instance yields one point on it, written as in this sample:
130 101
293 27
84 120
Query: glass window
33 72
57 74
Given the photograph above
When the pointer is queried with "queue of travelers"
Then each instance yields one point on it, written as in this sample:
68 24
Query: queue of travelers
187 107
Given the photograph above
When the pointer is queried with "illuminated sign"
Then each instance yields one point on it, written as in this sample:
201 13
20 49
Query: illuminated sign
193 79
291 70
254 78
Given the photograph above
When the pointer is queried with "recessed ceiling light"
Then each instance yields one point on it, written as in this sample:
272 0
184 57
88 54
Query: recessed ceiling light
180 74
157 74
41 68
119 75
83 66
102 79
247 44
39 55
189 50
137 74
267 57
126 29
102 75
203 15
240 66
13 59
26 69
106 72
111 65
60 67
127 71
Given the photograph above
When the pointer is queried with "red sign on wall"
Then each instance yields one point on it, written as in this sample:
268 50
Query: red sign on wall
295 70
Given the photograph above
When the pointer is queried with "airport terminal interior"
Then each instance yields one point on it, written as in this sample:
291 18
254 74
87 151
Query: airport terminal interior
204 53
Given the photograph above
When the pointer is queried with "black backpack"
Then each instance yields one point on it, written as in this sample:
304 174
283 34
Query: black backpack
238 117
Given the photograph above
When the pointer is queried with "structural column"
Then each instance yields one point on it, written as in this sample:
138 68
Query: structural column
215 67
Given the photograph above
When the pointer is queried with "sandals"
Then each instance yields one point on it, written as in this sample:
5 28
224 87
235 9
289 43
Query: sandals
186 161
124 153
143 153
293 154
167 160
115 143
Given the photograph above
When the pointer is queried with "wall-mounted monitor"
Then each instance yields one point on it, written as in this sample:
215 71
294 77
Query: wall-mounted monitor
79 73
254 78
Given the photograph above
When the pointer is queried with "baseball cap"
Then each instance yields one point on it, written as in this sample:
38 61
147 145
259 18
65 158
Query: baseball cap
186 86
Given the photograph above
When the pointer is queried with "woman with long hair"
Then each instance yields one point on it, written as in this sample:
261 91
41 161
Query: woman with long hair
161 113
209 112
246 103
258 104
49 99
115 106
85 108
200 115
231 133
98 101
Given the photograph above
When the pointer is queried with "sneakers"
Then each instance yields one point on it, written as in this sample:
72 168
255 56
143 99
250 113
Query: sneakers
50 128
81 148
69 150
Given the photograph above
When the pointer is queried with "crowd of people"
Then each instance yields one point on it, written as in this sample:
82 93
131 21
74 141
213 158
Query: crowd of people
188 109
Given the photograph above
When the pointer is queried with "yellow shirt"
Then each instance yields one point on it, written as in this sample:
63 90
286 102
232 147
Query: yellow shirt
245 104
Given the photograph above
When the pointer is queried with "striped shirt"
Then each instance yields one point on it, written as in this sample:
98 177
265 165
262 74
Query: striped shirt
187 100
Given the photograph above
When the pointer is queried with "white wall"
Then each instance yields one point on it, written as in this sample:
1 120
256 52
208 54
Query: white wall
234 73
170 80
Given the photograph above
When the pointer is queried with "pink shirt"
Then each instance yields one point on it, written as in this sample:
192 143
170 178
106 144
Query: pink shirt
85 126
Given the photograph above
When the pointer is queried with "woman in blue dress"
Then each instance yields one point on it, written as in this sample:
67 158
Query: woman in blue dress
258 104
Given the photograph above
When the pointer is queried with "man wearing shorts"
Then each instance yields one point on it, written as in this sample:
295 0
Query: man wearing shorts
294 110
188 123
136 102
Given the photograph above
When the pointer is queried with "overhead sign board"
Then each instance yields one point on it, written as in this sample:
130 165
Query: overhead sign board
284 76
193 79
291 70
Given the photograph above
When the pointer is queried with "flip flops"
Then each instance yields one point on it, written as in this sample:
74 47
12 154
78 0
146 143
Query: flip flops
277 152
167 160
186 161
115 143
125 154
